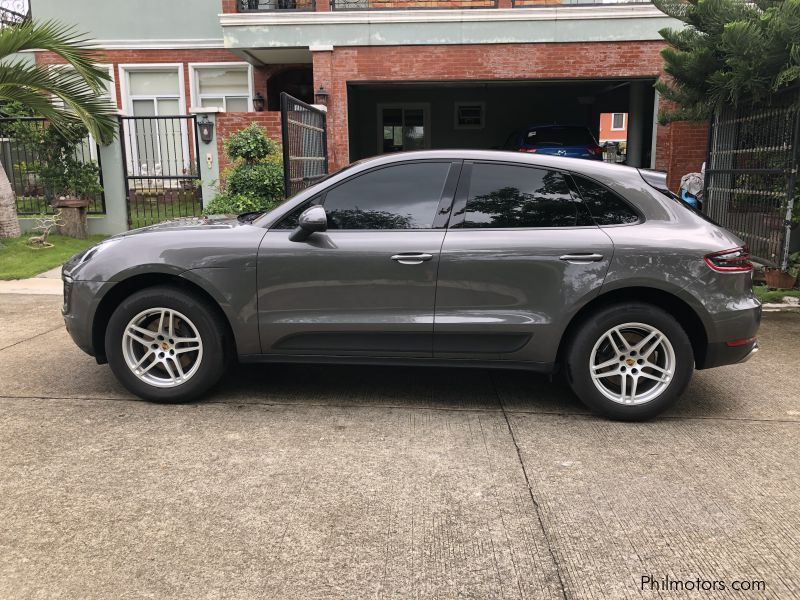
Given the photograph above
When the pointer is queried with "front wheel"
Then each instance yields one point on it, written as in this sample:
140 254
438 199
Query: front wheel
165 344
629 361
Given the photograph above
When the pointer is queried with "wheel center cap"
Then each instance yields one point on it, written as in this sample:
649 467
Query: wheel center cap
630 362
164 346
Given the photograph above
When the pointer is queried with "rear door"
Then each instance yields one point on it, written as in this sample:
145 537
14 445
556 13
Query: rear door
522 254
366 286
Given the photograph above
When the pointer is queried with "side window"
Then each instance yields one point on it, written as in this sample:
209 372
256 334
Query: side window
402 196
292 220
511 196
605 206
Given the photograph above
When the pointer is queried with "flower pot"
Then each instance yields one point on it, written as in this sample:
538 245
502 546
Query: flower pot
778 279
69 202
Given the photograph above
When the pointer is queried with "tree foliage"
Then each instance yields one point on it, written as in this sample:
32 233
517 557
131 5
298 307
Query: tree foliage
729 51
255 180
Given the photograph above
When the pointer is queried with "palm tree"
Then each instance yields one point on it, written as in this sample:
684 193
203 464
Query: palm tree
62 96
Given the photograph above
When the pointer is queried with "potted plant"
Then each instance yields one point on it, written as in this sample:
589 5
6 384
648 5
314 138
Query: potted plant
784 280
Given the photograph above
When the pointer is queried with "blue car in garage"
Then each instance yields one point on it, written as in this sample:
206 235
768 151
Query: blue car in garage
573 141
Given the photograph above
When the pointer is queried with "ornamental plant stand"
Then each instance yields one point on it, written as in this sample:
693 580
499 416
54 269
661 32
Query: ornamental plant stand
73 217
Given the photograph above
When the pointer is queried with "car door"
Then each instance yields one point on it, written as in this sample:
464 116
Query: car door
522 254
367 285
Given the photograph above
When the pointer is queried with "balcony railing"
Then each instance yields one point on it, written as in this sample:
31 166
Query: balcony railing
532 3
310 5
409 4
269 5
13 12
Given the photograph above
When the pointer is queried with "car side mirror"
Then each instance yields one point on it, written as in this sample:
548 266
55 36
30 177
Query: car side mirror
311 220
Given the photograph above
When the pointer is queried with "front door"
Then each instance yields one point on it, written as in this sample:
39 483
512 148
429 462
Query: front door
366 286
522 252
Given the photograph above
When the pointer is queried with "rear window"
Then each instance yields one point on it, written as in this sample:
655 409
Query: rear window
605 206
559 136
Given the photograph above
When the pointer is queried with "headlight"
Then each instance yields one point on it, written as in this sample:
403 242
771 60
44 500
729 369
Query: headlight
85 256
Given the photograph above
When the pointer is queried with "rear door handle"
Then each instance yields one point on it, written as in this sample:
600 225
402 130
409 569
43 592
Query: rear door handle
581 258
412 258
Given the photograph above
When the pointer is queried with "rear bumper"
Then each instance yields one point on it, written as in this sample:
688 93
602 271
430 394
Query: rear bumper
721 354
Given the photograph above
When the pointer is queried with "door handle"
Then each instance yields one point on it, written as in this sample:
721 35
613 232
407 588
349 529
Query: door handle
581 258
412 258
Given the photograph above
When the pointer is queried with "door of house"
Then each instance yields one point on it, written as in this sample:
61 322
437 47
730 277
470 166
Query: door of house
403 127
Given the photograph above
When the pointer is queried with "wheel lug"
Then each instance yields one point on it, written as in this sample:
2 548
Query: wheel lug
633 353
622 369
171 341
640 361
154 346
160 355
622 358
634 371
172 352
160 338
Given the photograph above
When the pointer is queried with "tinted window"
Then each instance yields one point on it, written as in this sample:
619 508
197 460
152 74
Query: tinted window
559 136
397 197
606 207
508 196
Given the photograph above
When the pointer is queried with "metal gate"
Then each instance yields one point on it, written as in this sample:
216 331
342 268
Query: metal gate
305 144
751 173
162 168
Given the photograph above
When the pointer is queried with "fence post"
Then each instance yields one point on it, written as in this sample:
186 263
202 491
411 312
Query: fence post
116 218
209 155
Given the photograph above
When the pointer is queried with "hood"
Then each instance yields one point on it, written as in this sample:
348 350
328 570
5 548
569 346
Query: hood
187 224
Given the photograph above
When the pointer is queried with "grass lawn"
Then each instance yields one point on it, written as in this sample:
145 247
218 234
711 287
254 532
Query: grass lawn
766 295
19 261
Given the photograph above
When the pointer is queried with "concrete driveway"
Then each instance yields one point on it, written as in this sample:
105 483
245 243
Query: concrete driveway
339 482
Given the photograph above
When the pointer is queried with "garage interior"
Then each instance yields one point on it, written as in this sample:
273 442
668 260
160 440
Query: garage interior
387 117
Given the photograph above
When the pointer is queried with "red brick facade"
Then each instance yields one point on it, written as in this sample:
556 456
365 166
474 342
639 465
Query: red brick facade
552 61
680 147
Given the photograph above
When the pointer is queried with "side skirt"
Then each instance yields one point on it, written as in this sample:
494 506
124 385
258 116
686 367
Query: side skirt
545 368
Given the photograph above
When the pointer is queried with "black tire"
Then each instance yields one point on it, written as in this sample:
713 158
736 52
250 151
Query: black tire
205 319
594 327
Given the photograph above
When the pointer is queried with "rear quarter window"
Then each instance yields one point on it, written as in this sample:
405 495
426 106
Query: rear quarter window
605 206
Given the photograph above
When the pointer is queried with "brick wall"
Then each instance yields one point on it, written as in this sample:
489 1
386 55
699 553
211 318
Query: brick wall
681 147
228 123
333 69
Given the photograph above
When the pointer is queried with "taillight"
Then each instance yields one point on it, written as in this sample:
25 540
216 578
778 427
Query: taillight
596 150
736 260
530 150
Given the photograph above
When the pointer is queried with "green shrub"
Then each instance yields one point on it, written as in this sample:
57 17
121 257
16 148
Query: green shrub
250 145
255 180
236 204
263 179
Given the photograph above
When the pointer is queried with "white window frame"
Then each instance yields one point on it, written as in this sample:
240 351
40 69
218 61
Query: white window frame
624 122
481 125
127 104
194 82
426 120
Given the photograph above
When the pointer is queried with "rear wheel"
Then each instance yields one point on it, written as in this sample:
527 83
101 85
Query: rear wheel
629 361
165 344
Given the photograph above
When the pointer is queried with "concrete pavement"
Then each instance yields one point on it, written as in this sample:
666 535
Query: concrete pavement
345 482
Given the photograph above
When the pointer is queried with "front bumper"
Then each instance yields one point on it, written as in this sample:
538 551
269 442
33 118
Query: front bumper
80 304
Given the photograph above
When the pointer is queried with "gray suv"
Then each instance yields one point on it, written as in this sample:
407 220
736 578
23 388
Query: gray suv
448 258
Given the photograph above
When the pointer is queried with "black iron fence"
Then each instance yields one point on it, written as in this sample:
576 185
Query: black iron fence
305 144
39 174
751 173
162 168
270 5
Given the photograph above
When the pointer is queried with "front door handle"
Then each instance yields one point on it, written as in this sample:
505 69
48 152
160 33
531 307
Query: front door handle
411 258
581 258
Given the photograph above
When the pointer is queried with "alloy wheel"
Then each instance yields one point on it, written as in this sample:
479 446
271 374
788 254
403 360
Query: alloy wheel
632 363
162 347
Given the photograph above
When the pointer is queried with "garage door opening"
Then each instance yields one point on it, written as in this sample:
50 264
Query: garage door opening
396 117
